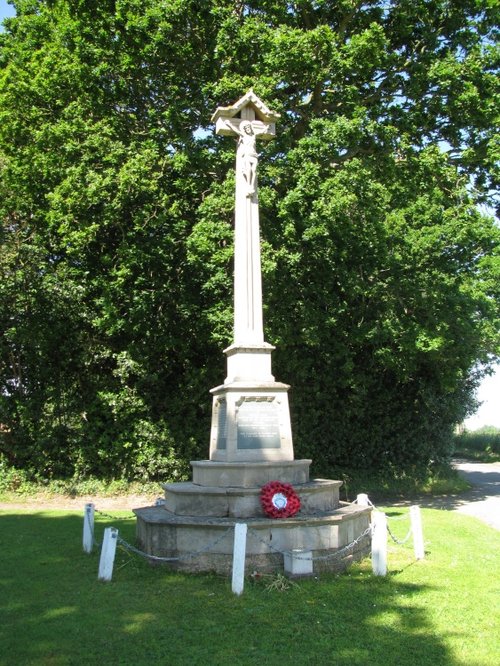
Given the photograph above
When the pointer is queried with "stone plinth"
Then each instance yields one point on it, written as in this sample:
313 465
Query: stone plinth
196 523
164 534
251 423
249 363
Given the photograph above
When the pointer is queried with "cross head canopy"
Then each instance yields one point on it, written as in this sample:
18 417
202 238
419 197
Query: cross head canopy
249 108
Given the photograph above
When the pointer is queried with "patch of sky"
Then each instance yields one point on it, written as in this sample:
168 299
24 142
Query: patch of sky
6 11
488 395
201 133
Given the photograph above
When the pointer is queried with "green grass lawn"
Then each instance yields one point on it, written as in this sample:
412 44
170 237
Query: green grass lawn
440 611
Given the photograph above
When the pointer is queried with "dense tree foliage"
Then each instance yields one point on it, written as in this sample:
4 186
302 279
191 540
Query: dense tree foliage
381 274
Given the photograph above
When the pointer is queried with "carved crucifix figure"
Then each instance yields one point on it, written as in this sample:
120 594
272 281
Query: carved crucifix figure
247 156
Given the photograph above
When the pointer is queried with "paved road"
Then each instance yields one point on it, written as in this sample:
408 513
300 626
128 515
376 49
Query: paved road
483 500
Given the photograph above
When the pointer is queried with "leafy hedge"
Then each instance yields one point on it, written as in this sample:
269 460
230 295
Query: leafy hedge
380 272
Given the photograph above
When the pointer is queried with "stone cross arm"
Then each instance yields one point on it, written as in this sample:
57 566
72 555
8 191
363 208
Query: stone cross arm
232 127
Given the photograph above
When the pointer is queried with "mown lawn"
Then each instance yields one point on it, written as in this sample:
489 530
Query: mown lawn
442 611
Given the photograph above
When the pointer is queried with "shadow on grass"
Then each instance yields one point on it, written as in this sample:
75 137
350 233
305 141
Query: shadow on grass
54 611
484 481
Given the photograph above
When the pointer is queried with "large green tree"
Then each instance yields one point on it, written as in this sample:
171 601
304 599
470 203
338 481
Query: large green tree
381 274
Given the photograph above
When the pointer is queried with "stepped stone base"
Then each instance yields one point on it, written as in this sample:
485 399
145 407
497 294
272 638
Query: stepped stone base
164 534
190 499
196 523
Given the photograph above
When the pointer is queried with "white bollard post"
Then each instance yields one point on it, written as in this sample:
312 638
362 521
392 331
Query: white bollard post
88 528
108 554
298 562
416 527
239 553
379 543
362 500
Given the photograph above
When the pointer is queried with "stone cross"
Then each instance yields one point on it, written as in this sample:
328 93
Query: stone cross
247 119
250 412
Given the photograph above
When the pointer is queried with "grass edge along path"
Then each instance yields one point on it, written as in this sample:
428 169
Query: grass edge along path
440 610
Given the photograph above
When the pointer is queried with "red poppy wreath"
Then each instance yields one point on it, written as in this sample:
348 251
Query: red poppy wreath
279 500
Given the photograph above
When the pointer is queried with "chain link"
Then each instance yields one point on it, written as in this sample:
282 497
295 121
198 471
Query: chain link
155 558
337 554
372 505
96 543
400 542
109 517
180 558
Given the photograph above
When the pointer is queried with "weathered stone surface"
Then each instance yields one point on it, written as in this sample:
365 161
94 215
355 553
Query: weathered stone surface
249 474
250 412
249 363
234 438
319 495
189 499
164 534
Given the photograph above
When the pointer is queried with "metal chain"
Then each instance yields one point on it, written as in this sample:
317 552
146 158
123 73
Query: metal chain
109 517
372 505
187 556
400 542
337 553
104 515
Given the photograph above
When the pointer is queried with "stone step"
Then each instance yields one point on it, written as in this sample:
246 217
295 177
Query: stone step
249 474
190 499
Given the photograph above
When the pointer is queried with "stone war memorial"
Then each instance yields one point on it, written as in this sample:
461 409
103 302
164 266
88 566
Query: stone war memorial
251 475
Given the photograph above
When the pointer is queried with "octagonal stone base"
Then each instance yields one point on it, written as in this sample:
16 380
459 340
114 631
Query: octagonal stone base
206 544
